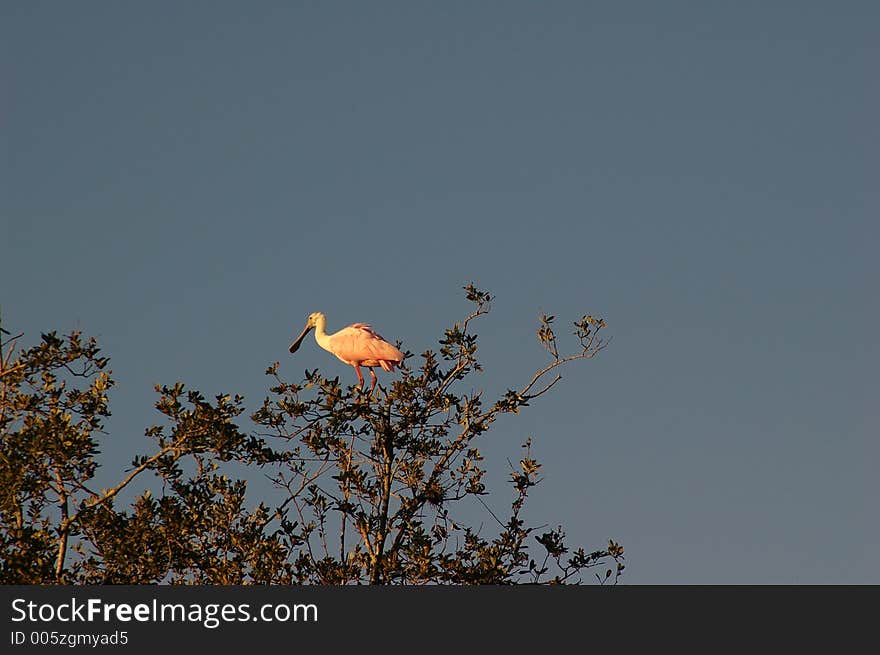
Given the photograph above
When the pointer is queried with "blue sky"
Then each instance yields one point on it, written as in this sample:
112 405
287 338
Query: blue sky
187 181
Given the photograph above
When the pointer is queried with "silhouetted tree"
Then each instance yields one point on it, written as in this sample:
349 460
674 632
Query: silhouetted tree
371 485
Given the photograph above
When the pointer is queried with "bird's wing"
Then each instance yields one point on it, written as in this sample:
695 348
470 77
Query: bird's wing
362 326
359 343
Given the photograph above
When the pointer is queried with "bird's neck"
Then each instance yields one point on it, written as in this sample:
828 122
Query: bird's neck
320 333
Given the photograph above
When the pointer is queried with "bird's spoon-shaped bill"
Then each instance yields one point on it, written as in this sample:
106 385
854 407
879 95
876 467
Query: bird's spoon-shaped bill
296 342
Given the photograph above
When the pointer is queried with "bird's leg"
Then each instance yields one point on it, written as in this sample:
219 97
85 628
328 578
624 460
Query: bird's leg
372 375
357 369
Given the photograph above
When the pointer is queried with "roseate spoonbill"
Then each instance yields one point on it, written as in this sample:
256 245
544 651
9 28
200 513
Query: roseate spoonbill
356 345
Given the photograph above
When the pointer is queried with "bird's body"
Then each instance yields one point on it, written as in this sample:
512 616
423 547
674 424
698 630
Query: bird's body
357 345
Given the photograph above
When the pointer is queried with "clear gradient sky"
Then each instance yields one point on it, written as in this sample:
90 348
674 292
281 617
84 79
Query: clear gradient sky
187 181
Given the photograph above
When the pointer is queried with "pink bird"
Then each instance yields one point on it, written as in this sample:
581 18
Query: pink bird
356 345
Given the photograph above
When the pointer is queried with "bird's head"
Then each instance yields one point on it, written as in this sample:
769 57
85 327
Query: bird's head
314 319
